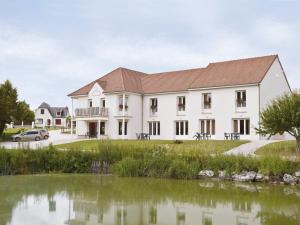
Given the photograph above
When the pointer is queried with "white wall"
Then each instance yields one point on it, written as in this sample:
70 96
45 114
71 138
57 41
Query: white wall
223 111
223 108
44 116
272 86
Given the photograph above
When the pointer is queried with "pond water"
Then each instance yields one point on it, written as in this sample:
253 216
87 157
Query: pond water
95 200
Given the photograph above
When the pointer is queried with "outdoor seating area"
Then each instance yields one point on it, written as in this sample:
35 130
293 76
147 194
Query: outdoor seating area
143 136
232 136
202 136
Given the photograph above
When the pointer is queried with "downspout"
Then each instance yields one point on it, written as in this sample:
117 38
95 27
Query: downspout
123 120
259 109
142 113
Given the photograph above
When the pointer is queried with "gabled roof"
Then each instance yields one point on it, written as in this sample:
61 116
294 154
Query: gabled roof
53 110
235 72
118 80
227 73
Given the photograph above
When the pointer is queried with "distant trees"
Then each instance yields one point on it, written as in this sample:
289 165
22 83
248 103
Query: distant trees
12 110
282 115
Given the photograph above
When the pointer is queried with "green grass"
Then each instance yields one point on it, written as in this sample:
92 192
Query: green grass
8 132
285 149
210 146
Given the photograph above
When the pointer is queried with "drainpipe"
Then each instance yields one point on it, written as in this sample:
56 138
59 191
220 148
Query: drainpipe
123 120
72 116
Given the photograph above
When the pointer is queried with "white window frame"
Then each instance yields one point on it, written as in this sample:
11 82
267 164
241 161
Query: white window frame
58 113
205 129
183 127
120 103
239 125
240 104
90 103
181 100
204 106
120 128
154 110
154 128
101 102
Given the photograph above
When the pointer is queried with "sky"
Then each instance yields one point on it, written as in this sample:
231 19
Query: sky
49 48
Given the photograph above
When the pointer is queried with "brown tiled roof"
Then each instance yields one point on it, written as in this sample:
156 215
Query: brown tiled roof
170 81
227 73
120 79
235 72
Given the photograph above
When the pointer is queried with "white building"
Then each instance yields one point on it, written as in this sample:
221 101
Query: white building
45 115
224 97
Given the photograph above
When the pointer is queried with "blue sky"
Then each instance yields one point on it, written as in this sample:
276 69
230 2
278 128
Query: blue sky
50 48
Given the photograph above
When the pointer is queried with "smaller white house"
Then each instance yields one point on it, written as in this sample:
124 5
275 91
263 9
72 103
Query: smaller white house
45 115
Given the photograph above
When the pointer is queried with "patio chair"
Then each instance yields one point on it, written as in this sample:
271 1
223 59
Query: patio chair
197 136
227 136
138 136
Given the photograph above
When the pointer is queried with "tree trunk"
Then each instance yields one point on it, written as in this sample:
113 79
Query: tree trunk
298 144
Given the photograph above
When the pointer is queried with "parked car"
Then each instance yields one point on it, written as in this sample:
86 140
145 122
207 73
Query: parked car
44 133
30 135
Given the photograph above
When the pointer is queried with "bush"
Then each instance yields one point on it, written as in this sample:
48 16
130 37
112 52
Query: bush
137 160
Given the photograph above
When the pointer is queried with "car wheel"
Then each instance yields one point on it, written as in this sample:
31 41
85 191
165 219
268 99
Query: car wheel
18 139
46 137
37 138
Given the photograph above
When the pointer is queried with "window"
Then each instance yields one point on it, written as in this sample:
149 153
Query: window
153 106
241 99
181 103
154 128
42 111
206 97
182 127
90 103
121 103
39 121
208 126
241 126
121 127
58 113
102 102
57 121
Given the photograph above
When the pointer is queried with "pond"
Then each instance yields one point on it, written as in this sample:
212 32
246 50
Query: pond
95 200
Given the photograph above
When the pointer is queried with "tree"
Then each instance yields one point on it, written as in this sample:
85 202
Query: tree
8 104
12 110
23 113
282 115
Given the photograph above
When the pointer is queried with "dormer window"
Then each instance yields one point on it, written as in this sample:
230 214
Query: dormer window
58 113
42 111
206 97
241 99
181 103
121 106
153 105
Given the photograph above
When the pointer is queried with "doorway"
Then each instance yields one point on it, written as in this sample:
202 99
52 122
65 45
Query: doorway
102 128
92 129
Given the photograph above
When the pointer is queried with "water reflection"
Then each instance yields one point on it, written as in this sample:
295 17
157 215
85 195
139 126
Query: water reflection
96 200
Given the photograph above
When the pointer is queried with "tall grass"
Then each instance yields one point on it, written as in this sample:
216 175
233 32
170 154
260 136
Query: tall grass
137 160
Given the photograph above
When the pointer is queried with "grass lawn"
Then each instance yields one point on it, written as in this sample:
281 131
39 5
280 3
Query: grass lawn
285 149
210 146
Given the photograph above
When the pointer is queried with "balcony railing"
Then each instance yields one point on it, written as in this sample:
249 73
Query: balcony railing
91 112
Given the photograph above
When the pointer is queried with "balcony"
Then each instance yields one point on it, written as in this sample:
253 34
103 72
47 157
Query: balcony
91 112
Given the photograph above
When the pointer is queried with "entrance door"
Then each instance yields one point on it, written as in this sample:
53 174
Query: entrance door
102 128
92 129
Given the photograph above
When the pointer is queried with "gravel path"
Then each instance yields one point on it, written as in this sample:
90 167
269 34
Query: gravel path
248 148
56 138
